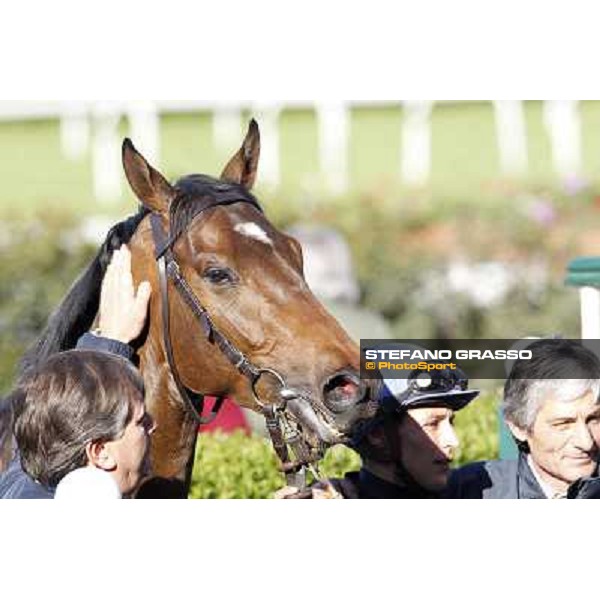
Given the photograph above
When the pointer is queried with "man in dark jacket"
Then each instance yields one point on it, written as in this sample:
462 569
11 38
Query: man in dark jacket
122 317
552 406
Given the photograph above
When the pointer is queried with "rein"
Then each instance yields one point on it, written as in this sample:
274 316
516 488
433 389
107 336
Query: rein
284 434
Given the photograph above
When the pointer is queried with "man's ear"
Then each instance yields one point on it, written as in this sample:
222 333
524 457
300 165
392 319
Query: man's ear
99 456
519 433
152 189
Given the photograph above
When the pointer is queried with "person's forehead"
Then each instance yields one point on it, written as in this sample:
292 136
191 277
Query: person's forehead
562 403
427 412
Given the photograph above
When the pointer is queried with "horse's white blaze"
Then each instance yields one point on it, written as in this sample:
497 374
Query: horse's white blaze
254 231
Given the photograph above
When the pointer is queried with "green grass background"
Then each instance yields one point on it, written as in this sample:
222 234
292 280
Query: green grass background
464 155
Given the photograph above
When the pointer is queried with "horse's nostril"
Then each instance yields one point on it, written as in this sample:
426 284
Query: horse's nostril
342 391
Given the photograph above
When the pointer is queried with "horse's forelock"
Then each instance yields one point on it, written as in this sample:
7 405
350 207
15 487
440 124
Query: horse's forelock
194 192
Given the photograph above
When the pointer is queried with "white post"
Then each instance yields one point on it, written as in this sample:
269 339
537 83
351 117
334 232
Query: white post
334 146
227 128
590 313
106 153
416 142
74 131
512 136
267 117
144 129
562 121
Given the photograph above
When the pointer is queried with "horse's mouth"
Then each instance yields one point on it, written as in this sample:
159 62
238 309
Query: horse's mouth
318 424
325 416
330 418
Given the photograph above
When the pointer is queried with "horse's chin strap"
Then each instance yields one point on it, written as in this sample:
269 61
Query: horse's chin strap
283 434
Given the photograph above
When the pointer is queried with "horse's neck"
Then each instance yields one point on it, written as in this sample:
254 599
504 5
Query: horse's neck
174 442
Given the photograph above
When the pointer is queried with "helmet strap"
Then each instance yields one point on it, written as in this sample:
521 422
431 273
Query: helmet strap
401 475
385 461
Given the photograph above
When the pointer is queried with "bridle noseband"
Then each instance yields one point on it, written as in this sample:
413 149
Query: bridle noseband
284 434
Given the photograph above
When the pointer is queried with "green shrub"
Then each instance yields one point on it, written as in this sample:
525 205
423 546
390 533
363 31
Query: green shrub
238 466
477 430
234 466
40 259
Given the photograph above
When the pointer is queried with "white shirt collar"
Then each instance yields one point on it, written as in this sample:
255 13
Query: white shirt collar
547 489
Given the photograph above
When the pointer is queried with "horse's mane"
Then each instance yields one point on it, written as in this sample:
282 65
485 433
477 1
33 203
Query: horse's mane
77 311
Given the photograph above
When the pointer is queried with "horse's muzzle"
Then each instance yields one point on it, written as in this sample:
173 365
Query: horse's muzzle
331 417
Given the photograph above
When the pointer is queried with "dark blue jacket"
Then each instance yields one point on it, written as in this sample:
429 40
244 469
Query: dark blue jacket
497 479
14 482
363 484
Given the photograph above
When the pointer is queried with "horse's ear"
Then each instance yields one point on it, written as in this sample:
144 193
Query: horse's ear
242 167
153 190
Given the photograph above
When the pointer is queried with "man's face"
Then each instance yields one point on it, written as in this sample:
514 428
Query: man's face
427 444
131 451
564 439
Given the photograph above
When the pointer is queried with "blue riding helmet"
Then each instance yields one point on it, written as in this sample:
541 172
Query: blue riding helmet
444 387
437 388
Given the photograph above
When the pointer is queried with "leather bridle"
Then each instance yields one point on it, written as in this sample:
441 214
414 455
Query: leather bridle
291 448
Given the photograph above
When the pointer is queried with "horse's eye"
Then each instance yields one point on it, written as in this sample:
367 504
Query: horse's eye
218 275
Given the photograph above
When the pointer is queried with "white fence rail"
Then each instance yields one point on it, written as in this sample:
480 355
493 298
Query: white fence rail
94 127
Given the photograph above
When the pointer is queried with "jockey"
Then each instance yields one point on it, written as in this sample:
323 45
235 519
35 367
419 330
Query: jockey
408 445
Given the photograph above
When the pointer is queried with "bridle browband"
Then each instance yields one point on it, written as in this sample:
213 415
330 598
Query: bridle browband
284 435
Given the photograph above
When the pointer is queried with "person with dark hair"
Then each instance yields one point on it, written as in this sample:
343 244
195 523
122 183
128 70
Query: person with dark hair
551 405
122 316
84 408
408 445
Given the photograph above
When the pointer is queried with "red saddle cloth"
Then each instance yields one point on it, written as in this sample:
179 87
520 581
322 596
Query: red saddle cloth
230 417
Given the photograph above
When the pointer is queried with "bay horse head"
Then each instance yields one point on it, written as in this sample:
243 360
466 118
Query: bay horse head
247 278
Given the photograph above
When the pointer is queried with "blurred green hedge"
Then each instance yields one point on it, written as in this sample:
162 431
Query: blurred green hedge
402 247
238 466
41 257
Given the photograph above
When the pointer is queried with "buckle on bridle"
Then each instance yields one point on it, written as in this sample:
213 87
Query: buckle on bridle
284 391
